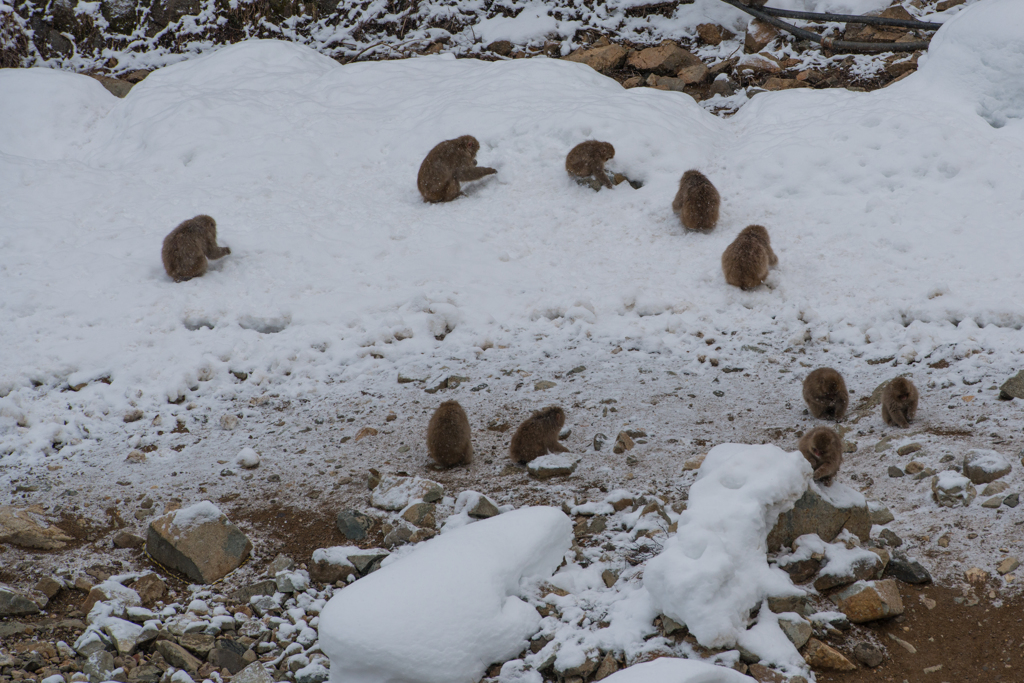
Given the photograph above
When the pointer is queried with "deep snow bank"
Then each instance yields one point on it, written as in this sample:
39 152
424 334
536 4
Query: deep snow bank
448 609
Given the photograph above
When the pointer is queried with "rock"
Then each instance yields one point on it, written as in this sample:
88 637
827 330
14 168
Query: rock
843 508
132 416
363 433
112 592
909 448
98 666
913 467
149 588
599 441
147 673
801 604
993 502
1008 565
776 83
245 594
28 528
164 12
13 604
667 83
869 600
227 654
177 656
950 489
762 674
982 465
263 604
976 575
552 465
198 643
136 457
281 563
228 421
501 47
879 514
48 586
117 88
623 443
907 570
1013 387
372 479
253 673
895 471
292 582
994 488
868 654
420 514
867 565
796 628
394 492
368 561
1012 500
758 35
123 539
544 385
891 538
713 34
836 621
802 570
198 541
722 86
353 524
603 59
820 656
666 59
756 65
400 535
123 634
484 509
330 565
607 668
582 671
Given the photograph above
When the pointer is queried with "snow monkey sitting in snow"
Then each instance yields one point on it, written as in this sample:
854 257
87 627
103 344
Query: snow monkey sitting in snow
825 394
745 262
187 248
538 435
448 435
899 402
448 164
696 202
824 450
586 160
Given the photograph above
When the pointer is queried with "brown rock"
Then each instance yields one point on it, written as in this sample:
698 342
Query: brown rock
784 84
421 515
607 668
713 34
177 656
110 592
28 528
666 59
198 541
48 586
821 656
117 88
364 432
601 59
756 65
692 74
869 600
501 47
150 589
946 4
623 442
759 34
763 674
865 567
123 539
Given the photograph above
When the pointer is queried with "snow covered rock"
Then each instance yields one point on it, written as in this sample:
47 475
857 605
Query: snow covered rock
950 489
824 511
714 570
1013 387
982 465
672 670
27 527
869 600
332 564
395 493
198 541
403 623
247 458
552 465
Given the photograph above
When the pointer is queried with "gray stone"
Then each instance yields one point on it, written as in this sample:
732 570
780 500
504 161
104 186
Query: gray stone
993 502
484 509
1013 387
253 673
868 654
802 570
421 515
368 562
543 385
552 465
198 643
907 570
117 88
146 673
124 634
669 625
813 514
281 563
796 628
880 514
909 448
98 666
398 536
8 629
982 465
866 566
1012 500
353 524
243 595
891 538
801 604
198 541
227 654
895 471
13 604
667 59
292 582
607 668
123 539
262 604
994 488
950 490
177 656
326 567
164 12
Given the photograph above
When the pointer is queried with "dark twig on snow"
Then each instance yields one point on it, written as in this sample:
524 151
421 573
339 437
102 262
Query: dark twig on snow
827 43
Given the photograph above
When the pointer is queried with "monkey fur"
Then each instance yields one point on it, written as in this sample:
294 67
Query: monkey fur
187 248
899 402
824 450
448 436
745 262
697 202
825 394
587 159
448 164
538 435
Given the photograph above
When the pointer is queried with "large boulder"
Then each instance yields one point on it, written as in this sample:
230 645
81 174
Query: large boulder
982 465
1013 387
28 528
825 512
198 541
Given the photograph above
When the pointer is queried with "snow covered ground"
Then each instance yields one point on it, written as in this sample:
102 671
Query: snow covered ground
895 214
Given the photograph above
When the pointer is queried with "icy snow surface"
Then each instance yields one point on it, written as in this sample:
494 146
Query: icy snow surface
668 670
449 608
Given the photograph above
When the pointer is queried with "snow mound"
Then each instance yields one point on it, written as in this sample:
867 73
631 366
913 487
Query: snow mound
668 670
201 513
449 608
715 569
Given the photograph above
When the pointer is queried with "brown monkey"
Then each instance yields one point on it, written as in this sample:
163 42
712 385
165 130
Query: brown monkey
824 450
538 435
587 160
825 394
745 262
187 247
697 202
899 402
448 164
448 436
